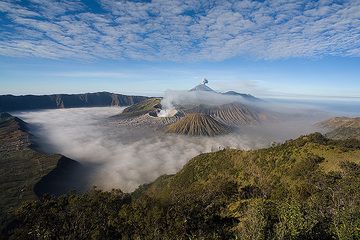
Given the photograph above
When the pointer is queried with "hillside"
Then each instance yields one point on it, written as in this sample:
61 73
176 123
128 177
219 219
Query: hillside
342 127
306 188
142 107
99 99
196 124
23 169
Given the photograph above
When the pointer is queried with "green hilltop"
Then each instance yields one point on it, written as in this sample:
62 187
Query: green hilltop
307 188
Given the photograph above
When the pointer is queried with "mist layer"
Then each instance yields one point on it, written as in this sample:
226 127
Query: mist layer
126 158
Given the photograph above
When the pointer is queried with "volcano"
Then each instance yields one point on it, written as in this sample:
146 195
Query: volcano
194 117
195 124
201 87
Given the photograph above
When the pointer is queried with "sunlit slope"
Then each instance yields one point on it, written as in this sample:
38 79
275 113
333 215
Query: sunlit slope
142 107
342 127
282 190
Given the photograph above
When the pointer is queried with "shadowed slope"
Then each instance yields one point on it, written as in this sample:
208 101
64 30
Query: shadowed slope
22 167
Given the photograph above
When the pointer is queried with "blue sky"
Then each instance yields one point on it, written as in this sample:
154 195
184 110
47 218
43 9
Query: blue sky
266 48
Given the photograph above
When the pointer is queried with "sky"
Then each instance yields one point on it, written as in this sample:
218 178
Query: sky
266 48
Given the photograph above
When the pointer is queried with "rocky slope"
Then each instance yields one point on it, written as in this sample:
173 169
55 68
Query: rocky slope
99 99
197 124
23 170
342 127
230 114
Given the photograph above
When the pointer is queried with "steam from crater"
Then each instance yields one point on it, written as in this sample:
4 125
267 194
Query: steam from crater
167 112
173 99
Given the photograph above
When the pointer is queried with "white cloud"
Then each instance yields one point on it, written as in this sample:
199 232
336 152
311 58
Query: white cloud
179 30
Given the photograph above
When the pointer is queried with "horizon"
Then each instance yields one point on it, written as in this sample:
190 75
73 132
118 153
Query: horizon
266 49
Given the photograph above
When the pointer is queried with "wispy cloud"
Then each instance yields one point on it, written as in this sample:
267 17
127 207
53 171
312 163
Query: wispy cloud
179 30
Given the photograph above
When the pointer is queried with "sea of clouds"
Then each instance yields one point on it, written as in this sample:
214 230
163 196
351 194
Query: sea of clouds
126 158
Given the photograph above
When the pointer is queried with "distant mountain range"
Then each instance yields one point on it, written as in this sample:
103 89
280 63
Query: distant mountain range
205 88
98 99
247 97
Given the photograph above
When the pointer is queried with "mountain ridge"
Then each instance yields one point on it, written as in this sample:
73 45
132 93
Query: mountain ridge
53 101
246 96
24 168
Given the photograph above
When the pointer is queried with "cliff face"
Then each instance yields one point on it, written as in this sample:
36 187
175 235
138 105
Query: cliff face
100 99
26 173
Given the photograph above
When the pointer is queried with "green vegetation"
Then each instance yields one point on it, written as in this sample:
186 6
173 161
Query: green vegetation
342 127
142 107
295 190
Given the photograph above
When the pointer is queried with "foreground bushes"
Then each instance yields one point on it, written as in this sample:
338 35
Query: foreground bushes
276 193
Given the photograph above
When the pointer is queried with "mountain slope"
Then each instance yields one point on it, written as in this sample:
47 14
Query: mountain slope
196 124
22 167
285 192
282 192
342 128
99 99
142 107
230 114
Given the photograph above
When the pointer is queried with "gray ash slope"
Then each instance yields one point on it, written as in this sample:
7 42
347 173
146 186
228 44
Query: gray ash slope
197 124
231 114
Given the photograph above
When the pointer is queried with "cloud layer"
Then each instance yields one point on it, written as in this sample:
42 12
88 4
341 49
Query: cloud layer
179 30
125 158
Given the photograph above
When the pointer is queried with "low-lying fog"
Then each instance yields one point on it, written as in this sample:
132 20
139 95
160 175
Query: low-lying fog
125 158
